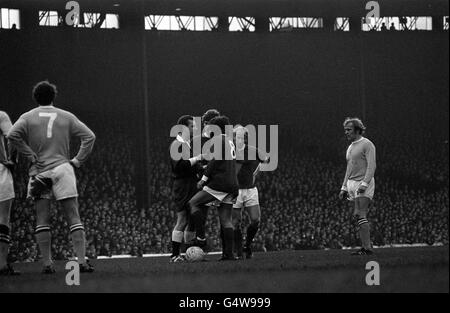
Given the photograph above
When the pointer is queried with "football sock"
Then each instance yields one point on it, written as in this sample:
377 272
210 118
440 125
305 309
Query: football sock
79 242
238 240
177 239
43 238
364 233
252 229
189 231
204 209
222 239
198 220
5 240
228 234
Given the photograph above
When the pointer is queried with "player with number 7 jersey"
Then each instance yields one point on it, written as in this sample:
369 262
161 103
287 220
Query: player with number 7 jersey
43 136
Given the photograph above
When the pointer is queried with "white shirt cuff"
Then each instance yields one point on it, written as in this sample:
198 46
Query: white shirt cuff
193 160
205 178
75 162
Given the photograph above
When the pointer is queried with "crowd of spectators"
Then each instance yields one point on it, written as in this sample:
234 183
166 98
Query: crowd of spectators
299 203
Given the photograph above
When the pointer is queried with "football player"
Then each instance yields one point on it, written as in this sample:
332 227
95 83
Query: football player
359 181
248 198
6 196
184 173
43 136
189 234
219 182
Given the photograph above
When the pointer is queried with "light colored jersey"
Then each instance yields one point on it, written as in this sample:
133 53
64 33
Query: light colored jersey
361 161
43 136
5 126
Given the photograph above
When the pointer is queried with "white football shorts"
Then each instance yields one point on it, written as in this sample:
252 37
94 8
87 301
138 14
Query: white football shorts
352 189
247 198
64 182
6 184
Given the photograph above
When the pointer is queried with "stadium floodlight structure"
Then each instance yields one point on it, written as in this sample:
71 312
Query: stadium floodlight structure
181 23
283 23
49 18
402 23
244 24
342 24
84 20
249 15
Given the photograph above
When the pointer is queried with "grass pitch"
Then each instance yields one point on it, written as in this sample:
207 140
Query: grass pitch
424 269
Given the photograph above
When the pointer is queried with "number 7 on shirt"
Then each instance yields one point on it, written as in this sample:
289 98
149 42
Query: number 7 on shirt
52 118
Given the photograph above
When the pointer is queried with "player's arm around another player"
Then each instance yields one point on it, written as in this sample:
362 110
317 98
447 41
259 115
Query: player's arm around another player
43 136
359 181
6 197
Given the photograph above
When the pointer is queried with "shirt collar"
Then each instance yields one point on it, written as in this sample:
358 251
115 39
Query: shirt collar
46 106
358 140
180 139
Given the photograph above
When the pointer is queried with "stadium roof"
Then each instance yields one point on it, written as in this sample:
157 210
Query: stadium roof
305 8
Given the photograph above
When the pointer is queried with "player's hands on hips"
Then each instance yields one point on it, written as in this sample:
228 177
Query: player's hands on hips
343 194
10 165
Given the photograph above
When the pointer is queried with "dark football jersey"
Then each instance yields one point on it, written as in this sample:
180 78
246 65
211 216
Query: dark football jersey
184 176
248 167
221 172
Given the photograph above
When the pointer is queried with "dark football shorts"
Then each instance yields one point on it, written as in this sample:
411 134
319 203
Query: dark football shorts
182 192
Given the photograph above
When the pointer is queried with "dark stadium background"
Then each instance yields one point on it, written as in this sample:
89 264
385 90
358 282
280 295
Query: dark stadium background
305 81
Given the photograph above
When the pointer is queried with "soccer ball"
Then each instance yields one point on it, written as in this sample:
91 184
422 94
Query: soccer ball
195 254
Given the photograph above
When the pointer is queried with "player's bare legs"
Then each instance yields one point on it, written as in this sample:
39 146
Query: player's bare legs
178 234
196 213
225 215
236 219
5 239
70 207
42 233
361 209
254 212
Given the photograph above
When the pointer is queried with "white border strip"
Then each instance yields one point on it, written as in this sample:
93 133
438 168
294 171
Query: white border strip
158 255
149 255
